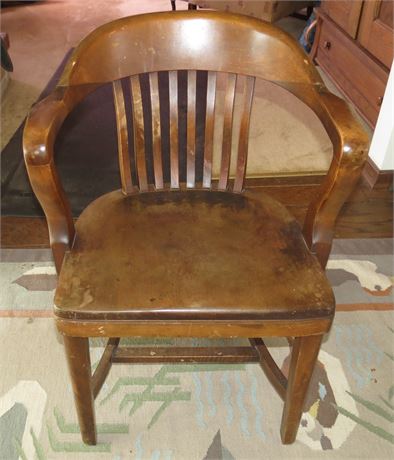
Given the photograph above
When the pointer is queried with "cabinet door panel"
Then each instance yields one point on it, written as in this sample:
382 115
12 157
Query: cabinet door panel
386 13
345 13
376 29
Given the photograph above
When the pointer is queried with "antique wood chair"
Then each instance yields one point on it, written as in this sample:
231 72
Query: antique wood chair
196 257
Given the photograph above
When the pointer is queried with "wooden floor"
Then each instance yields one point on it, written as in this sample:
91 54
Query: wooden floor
368 213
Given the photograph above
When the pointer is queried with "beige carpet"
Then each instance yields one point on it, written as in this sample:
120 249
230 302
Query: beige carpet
286 136
196 412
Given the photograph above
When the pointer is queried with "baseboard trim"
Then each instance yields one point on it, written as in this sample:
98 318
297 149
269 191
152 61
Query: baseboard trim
373 176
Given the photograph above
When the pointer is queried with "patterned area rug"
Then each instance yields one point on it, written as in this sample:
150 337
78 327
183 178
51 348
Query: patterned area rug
213 412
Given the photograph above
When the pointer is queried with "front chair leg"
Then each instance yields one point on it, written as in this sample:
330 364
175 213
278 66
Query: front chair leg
303 358
78 358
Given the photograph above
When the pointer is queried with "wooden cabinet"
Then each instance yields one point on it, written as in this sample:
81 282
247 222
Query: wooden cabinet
354 45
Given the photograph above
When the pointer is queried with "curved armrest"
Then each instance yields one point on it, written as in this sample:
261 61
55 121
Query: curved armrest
351 144
42 125
41 128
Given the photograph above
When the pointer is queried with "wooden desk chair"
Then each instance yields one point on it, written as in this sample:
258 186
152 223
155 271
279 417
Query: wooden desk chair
194 258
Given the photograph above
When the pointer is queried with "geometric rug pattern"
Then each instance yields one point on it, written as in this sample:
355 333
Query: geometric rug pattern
201 411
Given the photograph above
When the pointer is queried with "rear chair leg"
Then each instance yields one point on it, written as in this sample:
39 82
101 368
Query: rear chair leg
303 358
78 358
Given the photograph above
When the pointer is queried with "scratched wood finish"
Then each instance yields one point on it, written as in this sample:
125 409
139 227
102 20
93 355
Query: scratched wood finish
226 354
174 141
186 219
303 358
209 129
104 366
187 329
191 130
227 131
123 138
212 228
139 132
244 135
156 130
78 358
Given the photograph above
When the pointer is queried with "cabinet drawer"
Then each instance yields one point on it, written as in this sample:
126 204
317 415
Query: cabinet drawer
360 77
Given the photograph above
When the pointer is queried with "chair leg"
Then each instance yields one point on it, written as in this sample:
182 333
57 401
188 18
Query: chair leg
303 358
78 358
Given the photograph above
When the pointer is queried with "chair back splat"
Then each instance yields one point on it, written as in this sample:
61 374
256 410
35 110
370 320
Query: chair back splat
151 111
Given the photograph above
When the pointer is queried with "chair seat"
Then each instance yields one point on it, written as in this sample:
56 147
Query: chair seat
191 254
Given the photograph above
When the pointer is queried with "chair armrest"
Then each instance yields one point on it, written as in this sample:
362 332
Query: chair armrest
41 128
39 135
351 144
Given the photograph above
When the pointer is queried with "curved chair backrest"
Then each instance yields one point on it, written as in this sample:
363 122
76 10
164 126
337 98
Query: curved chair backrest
198 40
239 47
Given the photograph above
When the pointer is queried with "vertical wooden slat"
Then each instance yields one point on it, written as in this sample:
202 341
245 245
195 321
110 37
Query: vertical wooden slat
123 138
209 129
227 130
244 135
191 129
156 129
139 138
174 143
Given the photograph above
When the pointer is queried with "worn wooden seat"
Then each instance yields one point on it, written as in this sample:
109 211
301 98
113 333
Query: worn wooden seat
178 252
190 255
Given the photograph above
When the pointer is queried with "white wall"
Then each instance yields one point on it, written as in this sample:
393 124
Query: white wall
382 145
